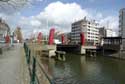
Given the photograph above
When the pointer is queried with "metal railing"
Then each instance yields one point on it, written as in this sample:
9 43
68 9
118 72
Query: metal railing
36 71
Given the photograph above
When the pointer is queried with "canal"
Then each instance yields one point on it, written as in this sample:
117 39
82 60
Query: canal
85 70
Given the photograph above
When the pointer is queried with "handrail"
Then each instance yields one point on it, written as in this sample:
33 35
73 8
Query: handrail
51 82
33 76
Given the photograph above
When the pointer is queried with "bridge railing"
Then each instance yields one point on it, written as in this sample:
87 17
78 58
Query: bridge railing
36 70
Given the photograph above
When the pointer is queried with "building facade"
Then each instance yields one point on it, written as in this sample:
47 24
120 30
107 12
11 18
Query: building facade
122 26
122 23
90 29
4 29
103 32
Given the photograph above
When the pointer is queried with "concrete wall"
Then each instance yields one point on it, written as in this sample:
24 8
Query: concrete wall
122 54
82 50
49 50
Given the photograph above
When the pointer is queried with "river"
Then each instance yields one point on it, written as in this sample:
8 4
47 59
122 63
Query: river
78 69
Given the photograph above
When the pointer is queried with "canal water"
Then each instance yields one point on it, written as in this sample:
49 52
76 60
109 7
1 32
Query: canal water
79 69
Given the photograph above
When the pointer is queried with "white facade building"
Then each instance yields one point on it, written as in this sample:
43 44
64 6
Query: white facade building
104 32
110 33
90 29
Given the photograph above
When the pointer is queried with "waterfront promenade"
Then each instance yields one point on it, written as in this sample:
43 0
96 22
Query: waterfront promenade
11 71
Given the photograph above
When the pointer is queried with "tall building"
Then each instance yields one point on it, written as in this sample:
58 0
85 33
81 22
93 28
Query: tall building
122 26
90 29
122 22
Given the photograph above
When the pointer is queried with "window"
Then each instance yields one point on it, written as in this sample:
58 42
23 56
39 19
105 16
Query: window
88 29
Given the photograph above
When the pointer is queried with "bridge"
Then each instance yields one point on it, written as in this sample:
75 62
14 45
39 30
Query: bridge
79 49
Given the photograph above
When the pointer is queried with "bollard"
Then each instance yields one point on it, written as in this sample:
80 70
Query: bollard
27 53
63 57
59 57
28 58
1 52
33 71
24 45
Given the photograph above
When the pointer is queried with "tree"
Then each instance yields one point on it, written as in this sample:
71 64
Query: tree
18 34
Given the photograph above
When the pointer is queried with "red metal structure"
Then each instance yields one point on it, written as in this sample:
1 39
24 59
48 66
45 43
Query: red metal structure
51 36
39 37
62 38
82 38
7 39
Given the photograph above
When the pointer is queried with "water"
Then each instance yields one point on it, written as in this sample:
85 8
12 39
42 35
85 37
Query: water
86 70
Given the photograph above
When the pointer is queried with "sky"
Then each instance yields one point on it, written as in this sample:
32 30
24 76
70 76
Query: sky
41 15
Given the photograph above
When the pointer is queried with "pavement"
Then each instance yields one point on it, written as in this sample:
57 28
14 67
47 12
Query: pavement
10 65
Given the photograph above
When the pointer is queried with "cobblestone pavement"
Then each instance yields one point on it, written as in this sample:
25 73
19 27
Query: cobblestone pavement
10 63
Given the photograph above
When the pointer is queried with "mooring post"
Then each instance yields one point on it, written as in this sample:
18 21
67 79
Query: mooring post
27 53
1 51
33 71
95 54
103 51
63 57
59 56
28 59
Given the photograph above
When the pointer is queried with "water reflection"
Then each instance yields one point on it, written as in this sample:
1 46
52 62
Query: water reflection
86 70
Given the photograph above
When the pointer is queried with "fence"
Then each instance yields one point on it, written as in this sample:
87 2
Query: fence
36 71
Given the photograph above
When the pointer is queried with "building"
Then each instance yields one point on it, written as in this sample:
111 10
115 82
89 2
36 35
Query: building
122 23
90 29
122 26
106 33
67 36
116 45
110 33
103 32
4 29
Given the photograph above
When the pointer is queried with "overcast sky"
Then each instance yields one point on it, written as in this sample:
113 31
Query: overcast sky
36 14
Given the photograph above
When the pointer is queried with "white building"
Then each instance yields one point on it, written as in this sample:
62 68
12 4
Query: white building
90 29
110 33
122 26
104 32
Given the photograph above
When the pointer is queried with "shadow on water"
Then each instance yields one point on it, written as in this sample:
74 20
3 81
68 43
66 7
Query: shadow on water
86 70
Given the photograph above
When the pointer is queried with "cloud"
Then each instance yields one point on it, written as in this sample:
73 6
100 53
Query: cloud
110 22
61 15
56 14
11 19
12 5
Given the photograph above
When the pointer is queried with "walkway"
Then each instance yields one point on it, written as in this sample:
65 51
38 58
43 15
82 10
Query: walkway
10 63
